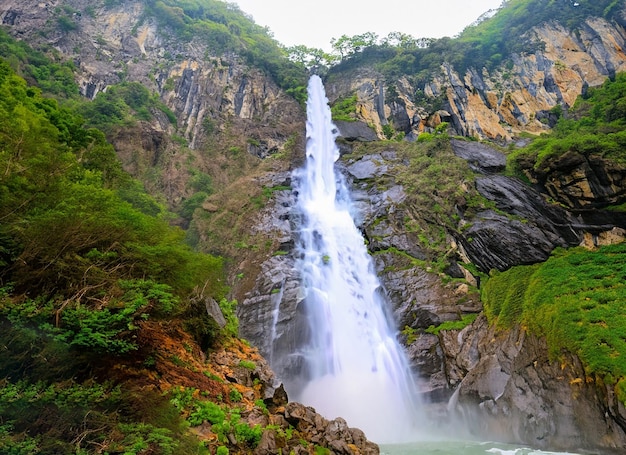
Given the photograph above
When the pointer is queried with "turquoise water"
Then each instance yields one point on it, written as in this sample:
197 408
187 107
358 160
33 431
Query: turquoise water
462 448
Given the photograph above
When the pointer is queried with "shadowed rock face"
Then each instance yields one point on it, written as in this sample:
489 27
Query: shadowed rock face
510 389
532 229
580 182
495 241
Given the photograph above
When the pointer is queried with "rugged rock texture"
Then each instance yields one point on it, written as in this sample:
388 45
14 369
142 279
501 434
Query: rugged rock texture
496 105
211 95
505 382
579 182
533 227
495 375
509 388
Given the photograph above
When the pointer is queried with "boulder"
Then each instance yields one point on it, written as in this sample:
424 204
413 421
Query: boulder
480 157
355 131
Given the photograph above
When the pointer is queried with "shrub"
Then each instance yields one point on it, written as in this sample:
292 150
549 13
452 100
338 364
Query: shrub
345 109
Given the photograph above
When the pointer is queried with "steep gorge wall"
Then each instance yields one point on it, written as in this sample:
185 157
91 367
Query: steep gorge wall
221 92
495 105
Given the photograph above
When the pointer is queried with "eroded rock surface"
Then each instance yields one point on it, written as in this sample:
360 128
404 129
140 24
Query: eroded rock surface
509 388
496 104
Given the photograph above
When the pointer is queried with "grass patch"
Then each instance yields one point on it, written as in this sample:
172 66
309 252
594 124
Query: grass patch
453 325
345 109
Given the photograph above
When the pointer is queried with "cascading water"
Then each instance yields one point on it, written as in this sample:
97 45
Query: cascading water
355 367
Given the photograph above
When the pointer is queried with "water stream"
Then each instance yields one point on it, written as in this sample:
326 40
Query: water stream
356 368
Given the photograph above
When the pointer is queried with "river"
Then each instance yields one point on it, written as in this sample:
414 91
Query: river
462 448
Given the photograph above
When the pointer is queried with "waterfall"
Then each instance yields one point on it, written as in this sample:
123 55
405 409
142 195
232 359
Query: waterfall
355 368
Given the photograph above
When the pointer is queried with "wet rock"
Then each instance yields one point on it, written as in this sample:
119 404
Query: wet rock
513 390
368 167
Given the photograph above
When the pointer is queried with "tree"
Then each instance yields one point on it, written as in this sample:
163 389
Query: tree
310 57
347 46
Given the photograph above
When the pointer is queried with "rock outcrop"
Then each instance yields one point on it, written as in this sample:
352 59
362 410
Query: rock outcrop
579 182
509 388
210 93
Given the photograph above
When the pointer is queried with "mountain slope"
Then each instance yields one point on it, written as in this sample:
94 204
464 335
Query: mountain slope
491 82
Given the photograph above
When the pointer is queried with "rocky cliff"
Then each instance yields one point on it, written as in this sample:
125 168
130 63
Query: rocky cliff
502 383
508 387
225 110
497 104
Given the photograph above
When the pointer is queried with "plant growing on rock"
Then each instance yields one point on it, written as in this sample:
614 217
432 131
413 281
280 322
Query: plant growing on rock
581 315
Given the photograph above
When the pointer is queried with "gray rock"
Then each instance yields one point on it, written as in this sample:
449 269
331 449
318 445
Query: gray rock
514 392
481 158
495 241
355 131
367 167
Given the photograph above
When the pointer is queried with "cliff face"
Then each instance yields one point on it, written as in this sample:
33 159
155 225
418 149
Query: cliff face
494 105
220 103
501 384
508 386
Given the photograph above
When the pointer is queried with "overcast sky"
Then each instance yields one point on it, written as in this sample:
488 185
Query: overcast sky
314 23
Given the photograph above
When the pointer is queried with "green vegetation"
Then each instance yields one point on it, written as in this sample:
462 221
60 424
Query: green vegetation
225 421
250 365
260 200
345 109
68 233
122 105
85 418
86 259
459 324
54 77
437 183
596 124
576 300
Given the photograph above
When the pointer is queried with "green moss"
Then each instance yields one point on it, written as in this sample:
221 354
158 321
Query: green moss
576 300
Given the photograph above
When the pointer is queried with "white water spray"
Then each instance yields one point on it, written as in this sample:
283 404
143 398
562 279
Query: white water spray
356 368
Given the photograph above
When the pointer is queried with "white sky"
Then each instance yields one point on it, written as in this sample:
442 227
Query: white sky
315 22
